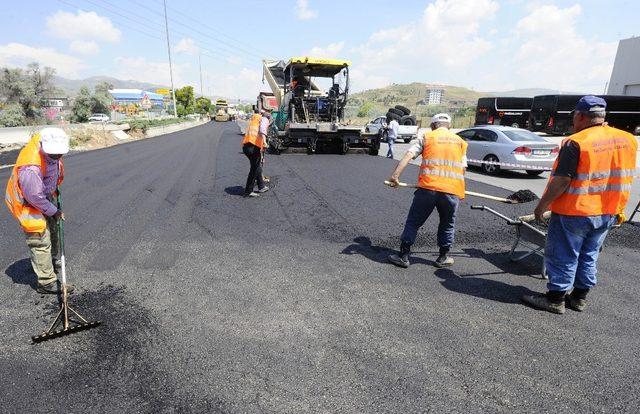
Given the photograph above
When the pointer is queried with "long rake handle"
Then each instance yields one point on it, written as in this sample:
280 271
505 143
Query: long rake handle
470 193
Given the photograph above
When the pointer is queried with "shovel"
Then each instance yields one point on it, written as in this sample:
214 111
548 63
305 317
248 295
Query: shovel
64 323
469 193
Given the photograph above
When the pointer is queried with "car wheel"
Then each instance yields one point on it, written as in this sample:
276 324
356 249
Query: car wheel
491 169
534 172
515 125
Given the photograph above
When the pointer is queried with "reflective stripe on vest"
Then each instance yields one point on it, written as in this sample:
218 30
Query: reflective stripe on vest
442 167
599 189
447 163
604 175
443 173
607 174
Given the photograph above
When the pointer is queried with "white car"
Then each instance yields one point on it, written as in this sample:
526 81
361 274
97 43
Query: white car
98 118
406 133
521 148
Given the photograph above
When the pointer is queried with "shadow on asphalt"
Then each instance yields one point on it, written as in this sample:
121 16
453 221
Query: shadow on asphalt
362 245
482 288
22 273
236 190
531 266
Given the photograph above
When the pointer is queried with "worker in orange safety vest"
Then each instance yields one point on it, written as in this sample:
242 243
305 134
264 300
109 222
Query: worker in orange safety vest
440 186
30 197
252 146
587 194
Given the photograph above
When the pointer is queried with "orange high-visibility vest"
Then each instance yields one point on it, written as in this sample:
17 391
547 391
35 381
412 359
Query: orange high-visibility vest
443 166
252 136
604 176
31 219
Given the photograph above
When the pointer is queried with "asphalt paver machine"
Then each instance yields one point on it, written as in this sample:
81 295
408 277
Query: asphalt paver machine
312 95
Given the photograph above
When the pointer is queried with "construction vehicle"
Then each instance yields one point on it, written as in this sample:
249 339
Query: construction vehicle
222 111
309 117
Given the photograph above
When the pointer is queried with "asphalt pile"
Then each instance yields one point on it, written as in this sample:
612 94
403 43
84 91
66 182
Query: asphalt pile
523 196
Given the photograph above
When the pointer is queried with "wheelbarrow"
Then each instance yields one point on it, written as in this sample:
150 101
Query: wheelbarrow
528 237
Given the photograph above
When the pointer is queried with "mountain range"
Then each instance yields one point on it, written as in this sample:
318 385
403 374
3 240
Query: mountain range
70 87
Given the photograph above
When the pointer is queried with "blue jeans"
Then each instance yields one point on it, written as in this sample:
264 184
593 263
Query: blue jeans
573 246
390 142
424 201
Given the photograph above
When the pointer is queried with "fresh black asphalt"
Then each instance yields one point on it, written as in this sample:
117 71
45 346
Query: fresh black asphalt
211 302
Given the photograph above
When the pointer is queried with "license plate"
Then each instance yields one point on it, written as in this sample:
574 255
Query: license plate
541 152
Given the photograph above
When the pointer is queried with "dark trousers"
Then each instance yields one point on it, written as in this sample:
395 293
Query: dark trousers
424 201
255 173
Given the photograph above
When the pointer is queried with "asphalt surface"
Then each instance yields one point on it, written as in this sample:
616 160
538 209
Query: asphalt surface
211 302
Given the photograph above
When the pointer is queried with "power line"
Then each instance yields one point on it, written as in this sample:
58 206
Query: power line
120 23
235 47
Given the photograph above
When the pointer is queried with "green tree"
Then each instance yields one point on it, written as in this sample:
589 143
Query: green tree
12 116
86 104
365 109
103 88
185 98
27 87
203 105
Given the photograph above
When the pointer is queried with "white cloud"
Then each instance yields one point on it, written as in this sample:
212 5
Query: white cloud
17 54
245 83
82 26
187 46
234 60
143 70
84 47
332 50
553 54
448 37
303 12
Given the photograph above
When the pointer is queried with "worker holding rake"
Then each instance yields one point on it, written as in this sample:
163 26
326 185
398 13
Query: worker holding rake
30 196
440 186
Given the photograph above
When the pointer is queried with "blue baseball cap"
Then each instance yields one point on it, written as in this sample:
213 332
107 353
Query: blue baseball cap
591 103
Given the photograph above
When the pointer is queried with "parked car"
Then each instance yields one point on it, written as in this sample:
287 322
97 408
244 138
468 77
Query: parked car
508 145
99 118
378 125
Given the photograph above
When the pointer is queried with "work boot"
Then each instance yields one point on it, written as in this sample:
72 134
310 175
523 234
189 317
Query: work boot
577 300
551 301
443 260
53 288
263 189
402 259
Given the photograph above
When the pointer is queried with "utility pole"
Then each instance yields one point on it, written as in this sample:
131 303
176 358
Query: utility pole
200 64
173 91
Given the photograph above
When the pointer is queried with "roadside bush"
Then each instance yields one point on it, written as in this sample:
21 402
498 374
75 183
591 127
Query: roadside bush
13 116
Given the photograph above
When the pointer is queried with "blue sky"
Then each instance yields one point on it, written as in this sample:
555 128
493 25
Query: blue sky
488 45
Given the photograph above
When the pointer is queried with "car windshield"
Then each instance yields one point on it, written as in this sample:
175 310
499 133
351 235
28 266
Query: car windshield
520 135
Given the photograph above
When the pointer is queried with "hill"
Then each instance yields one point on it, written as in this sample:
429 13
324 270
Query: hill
70 87
375 102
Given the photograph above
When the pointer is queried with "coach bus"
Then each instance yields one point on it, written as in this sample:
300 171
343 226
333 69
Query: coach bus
503 111
552 113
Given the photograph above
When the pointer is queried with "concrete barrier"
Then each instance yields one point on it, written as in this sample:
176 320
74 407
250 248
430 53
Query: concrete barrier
21 135
167 129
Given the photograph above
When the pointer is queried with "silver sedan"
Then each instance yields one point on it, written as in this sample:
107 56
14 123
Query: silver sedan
518 149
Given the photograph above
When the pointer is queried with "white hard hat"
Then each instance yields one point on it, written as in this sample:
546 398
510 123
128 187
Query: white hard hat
440 118
54 141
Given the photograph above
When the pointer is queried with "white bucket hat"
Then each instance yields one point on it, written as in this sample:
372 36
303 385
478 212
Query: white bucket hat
54 141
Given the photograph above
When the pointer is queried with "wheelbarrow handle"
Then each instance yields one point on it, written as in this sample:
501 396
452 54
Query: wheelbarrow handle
495 213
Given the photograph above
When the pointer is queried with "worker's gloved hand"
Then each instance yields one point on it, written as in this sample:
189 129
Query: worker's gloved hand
393 181
59 215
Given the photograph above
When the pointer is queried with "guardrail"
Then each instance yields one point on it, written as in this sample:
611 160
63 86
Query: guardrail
21 135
